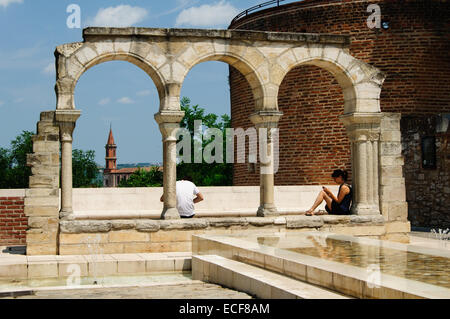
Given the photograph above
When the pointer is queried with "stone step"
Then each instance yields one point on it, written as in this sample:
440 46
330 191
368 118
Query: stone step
255 281
18 267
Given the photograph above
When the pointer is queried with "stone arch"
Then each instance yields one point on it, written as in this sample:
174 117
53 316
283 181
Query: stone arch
71 66
361 83
235 56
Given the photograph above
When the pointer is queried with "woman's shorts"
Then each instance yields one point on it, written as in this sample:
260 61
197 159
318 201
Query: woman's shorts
336 209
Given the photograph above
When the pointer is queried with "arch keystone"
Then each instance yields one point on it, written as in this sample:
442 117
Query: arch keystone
301 53
315 50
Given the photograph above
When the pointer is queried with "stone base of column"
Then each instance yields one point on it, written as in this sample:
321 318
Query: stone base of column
66 215
365 210
170 213
267 210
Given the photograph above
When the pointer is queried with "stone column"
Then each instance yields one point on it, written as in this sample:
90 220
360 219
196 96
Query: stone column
364 134
265 122
66 120
169 123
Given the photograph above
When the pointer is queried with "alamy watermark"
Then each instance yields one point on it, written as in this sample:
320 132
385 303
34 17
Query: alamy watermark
263 143
74 19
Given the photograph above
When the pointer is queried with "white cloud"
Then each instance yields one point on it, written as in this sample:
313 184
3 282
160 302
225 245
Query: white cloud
220 13
125 100
19 100
5 3
144 93
120 16
104 101
49 69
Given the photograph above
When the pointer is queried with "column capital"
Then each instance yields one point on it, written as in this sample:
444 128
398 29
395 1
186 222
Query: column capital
266 118
362 127
165 116
62 116
66 120
169 123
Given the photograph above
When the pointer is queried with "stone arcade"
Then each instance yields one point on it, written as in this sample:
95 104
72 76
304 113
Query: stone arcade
167 55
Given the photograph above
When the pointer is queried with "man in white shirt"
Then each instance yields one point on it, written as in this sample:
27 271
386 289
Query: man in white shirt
187 195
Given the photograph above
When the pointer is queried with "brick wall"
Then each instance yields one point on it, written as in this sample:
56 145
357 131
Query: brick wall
413 52
13 222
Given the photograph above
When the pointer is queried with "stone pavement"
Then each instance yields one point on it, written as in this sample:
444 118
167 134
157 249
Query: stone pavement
194 290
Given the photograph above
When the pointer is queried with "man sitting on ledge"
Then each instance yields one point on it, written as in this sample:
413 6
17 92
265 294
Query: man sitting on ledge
186 190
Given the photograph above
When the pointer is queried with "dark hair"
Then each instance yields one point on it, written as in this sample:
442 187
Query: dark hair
341 173
187 178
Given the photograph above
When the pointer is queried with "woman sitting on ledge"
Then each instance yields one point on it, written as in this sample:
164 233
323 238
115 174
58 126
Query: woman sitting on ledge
339 205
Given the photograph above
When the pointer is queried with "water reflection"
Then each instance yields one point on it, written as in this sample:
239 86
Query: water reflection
414 266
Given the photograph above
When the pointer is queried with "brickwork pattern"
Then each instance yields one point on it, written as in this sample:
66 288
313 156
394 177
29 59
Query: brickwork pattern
13 222
413 52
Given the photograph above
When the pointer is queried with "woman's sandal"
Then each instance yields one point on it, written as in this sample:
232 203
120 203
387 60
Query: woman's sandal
309 213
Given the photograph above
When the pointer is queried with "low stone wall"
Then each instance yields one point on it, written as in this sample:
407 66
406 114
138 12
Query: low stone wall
13 222
136 203
141 236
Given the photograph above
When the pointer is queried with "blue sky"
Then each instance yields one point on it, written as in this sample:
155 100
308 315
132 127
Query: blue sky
113 92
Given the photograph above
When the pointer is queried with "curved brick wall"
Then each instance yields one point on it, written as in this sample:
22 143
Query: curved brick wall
413 52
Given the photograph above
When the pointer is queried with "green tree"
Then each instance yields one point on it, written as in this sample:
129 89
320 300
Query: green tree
144 178
204 174
14 172
84 169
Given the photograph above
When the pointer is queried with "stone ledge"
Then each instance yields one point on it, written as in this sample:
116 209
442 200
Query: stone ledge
149 225
295 37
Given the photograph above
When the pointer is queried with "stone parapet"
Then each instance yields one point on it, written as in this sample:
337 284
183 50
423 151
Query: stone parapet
141 236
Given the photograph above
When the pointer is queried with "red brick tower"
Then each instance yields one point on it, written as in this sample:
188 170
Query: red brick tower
111 158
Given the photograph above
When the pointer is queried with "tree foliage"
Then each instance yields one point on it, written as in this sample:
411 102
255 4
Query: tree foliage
144 178
204 174
14 172
84 169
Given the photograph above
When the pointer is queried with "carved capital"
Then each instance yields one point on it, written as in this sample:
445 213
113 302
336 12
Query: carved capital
169 123
266 119
66 120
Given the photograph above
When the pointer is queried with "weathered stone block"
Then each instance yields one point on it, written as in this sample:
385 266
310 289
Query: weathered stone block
50 211
39 159
91 226
358 219
128 236
34 249
184 224
395 160
42 201
52 170
46 147
123 224
147 226
304 222
391 136
393 193
101 238
41 192
259 222
398 227
227 222
42 181
391 148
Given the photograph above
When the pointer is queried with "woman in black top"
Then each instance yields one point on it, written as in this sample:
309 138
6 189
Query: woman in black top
339 205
